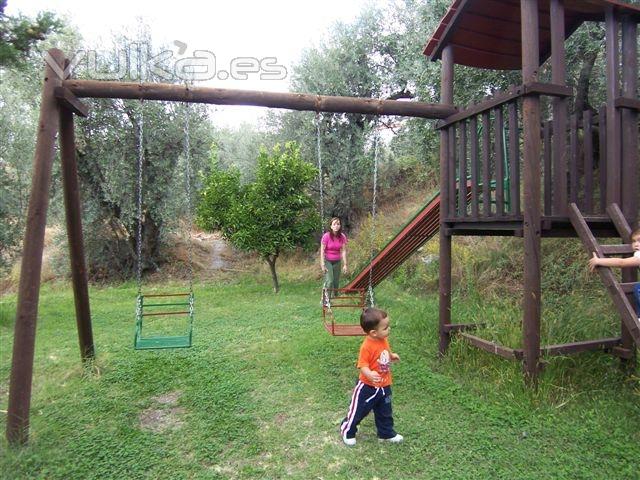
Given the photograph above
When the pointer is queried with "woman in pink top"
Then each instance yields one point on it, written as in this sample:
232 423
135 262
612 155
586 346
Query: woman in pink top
333 255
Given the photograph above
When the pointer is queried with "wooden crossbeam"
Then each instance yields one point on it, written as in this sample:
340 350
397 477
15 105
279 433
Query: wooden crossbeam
461 327
69 101
584 346
625 102
492 347
224 96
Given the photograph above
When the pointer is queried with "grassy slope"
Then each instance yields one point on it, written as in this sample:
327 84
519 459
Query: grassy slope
263 390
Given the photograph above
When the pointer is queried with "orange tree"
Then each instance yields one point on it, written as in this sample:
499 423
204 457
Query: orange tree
269 216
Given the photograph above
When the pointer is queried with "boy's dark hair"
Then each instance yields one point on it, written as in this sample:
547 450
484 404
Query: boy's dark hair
635 233
370 318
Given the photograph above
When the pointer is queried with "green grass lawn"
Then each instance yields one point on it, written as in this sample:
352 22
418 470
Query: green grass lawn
263 389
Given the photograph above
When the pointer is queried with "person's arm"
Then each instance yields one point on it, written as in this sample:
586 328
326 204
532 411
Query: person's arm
343 251
596 261
322 265
372 375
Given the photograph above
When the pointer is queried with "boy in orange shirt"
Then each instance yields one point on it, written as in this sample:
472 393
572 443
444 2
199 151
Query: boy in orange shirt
373 390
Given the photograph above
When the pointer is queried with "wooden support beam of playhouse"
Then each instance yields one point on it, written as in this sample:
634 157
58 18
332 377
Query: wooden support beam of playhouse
223 96
584 346
492 347
461 327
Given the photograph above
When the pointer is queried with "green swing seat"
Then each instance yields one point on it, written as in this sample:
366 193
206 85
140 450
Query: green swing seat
165 309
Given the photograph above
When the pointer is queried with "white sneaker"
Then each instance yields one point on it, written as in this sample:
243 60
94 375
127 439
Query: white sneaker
350 442
397 439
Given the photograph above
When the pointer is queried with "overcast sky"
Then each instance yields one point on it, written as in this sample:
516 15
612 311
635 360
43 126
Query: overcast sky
228 29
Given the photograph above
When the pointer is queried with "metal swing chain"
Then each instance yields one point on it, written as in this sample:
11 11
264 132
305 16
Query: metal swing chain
187 157
326 301
320 180
376 146
140 167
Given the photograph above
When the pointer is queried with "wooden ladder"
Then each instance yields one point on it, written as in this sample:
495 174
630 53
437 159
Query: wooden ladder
621 293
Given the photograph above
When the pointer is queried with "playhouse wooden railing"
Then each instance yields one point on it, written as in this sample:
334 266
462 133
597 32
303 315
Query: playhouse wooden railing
484 143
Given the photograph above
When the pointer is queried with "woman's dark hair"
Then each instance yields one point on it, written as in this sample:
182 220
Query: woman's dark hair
339 234
370 318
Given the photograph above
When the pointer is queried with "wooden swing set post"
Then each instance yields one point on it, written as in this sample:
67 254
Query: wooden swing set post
56 120
29 286
73 217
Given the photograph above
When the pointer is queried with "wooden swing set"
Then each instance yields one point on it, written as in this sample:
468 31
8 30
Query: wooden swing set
557 198
60 102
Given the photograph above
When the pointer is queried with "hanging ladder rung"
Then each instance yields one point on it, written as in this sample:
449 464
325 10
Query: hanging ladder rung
164 313
166 295
183 304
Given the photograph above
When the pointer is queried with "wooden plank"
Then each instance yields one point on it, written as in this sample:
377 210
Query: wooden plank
577 347
623 249
573 160
602 158
70 102
483 107
492 347
514 159
623 353
626 102
451 207
498 135
629 120
462 327
620 222
500 98
475 161
559 106
486 164
547 89
587 132
462 171
614 165
546 134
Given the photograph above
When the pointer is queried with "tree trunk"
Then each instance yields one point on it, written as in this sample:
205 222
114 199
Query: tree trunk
271 260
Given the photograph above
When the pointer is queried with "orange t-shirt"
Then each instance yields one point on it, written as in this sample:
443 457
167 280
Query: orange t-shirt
375 354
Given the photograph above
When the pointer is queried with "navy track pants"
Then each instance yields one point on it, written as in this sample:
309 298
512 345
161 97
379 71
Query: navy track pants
364 399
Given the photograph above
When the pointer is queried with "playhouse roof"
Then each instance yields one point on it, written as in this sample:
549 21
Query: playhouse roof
486 33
